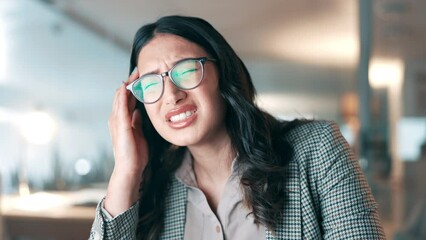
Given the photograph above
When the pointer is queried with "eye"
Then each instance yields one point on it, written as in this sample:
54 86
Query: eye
150 82
185 69
149 85
189 71
181 74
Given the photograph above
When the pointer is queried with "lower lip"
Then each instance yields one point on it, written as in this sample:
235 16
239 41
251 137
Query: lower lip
184 123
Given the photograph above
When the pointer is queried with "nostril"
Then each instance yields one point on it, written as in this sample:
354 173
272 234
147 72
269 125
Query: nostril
175 96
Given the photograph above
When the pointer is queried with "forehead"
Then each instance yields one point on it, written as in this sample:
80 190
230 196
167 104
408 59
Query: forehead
168 48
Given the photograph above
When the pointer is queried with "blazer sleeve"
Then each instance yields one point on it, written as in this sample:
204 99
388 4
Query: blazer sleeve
122 226
347 206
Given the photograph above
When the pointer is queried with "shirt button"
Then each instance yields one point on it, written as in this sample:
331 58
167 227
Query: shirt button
218 229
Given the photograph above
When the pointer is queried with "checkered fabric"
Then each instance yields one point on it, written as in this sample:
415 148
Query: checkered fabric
174 221
123 226
327 195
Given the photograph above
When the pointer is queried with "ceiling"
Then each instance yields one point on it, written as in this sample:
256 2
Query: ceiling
322 31
296 30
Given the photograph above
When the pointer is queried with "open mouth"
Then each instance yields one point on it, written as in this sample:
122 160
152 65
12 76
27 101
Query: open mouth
181 116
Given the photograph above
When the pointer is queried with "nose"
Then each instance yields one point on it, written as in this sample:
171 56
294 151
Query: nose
172 94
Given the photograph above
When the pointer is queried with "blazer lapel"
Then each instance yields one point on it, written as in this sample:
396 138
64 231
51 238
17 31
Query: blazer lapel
290 225
175 212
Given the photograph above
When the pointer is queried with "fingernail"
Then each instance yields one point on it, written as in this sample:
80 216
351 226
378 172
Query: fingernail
134 70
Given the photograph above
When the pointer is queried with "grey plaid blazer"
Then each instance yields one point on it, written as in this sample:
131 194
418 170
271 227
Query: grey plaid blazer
327 195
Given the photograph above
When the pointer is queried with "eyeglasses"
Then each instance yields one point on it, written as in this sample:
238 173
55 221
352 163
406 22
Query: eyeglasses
186 74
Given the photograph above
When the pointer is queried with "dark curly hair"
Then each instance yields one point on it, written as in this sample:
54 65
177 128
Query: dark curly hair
257 137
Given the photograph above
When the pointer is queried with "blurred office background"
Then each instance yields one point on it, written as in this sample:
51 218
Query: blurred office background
359 63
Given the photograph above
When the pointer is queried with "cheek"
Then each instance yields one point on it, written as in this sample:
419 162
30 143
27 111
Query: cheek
215 106
154 116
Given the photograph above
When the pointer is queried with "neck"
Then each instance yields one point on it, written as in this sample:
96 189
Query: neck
212 161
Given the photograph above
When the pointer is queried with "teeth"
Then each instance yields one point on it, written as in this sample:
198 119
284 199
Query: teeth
181 116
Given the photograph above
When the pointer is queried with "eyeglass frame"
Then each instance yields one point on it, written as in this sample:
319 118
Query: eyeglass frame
201 60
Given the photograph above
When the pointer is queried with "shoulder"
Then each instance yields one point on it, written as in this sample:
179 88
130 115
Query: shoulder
313 134
317 145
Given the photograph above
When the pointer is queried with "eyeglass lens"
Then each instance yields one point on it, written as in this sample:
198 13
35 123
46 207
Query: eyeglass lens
185 75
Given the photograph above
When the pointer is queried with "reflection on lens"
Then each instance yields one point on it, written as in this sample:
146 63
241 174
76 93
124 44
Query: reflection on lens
137 90
151 87
187 74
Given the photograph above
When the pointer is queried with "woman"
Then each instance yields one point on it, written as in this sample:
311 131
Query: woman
195 158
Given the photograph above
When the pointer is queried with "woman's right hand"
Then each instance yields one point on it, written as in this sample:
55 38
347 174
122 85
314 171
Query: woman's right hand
130 151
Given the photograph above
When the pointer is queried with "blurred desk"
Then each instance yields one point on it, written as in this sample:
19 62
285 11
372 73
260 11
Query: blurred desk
53 215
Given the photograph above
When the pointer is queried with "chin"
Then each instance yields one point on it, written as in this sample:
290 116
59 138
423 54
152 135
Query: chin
181 142
183 138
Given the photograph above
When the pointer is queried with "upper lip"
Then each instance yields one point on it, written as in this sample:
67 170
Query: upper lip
179 110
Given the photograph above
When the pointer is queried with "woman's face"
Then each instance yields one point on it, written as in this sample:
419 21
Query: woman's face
183 117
